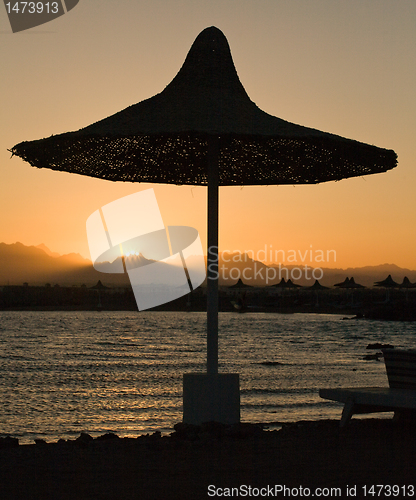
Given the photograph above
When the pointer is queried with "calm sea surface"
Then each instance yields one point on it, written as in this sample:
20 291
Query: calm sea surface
62 373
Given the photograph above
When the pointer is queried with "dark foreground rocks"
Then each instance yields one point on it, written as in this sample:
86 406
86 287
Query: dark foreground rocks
195 462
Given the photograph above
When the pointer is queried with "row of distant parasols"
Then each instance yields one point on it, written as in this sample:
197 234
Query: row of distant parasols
347 283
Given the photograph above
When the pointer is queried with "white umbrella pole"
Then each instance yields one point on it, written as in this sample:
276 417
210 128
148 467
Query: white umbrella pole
212 396
212 257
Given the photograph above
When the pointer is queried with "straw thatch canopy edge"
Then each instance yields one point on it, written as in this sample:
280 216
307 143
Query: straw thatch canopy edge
164 139
244 160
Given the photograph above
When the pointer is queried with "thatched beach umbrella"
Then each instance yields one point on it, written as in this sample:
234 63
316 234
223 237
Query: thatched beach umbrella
239 284
203 129
353 284
281 284
290 284
387 283
406 283
343 284
349 283
99 286
317 286
286 284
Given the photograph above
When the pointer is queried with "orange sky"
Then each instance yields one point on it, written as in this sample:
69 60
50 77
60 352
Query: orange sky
346 67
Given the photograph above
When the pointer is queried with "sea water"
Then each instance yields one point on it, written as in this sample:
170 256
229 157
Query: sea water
62 373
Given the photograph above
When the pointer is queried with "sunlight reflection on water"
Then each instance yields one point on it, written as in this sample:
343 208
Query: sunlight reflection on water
62 373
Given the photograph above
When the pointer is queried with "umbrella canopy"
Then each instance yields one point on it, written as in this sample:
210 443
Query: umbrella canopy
99 286
240 284
343 284
353 284
286 284
317 286
164 139
407 284
290 284
387 283
281 284
349 283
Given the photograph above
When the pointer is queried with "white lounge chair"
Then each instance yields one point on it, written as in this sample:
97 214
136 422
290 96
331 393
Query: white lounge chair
400 397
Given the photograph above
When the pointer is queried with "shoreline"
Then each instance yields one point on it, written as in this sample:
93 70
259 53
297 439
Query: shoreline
382 314
311 454
398 310
371 303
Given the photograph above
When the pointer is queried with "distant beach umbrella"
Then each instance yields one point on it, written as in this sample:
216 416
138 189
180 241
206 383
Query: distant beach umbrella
343 284
203 129
407 284
99 286
387 283
281 284
290 284
317 286
286 284
240 284
353 284
349 283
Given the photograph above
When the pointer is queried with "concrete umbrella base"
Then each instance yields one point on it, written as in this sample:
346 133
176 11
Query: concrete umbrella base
211 398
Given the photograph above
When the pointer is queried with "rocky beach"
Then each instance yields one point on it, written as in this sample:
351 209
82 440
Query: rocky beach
307 458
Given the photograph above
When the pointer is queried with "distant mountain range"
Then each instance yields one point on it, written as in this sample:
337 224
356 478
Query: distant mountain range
38 265
256 273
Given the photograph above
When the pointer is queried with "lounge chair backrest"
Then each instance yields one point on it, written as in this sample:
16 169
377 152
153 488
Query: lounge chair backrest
401 368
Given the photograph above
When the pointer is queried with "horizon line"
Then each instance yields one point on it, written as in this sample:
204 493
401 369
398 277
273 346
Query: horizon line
267 263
